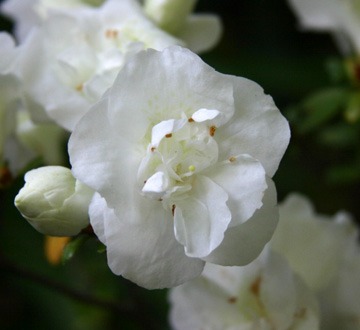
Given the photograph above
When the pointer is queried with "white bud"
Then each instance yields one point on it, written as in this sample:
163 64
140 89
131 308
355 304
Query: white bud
54 202
169 15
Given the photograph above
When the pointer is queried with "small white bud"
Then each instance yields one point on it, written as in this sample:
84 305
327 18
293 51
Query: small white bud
170 15
54 202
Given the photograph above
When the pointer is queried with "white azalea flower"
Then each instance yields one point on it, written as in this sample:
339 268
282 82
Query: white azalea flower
30 13
181 157
20 139
54 202
200 32
324 251
79 55
341 17
265 295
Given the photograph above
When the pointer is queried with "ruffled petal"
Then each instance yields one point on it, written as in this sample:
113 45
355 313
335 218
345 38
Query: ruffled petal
243 243
244 180
145 250
202 218
257 127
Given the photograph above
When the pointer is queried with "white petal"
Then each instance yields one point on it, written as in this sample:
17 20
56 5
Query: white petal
144 250
243 243
201 32
104 160
311 243
202 304
96 213
244 180
307 314
277 291
257 127
156 185
205 114
317 14
190 85
202 218
159 131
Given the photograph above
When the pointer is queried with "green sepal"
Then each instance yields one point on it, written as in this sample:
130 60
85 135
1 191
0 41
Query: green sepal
72 247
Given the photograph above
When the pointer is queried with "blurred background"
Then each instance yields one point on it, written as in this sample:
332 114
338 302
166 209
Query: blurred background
300 70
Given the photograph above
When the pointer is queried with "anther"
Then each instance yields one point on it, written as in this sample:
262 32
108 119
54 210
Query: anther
232 159
79 88
152 148
145 181
173 209
191 168
160 199
190 120
232 300
111 34
212 130
255 286
168 135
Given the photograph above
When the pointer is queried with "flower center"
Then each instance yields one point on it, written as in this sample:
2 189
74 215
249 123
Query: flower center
179 149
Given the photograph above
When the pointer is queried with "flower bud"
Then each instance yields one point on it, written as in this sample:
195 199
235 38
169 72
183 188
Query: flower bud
54 202
169 15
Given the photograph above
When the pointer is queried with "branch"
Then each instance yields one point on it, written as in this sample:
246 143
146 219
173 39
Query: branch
121 310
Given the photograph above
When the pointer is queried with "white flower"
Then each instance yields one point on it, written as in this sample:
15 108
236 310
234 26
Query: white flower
341 17
70 61
181 157
20 139
200 32
30 13
54 202
265 295
324 251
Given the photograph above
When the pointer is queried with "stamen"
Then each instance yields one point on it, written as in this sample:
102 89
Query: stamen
79 88
152 148
232 300
255 287
212 130
173 209
190 120
192 168
145 181
232 159
111 34
168 135
160 199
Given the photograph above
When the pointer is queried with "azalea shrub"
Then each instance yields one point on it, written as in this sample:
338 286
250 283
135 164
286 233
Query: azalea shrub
173 164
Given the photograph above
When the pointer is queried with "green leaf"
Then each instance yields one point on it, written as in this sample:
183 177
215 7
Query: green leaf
343 174
322 107
72 247
336 69
352 110
341 135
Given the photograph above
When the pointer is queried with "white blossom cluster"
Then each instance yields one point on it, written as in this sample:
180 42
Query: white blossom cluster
172 164
178 157
306 278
